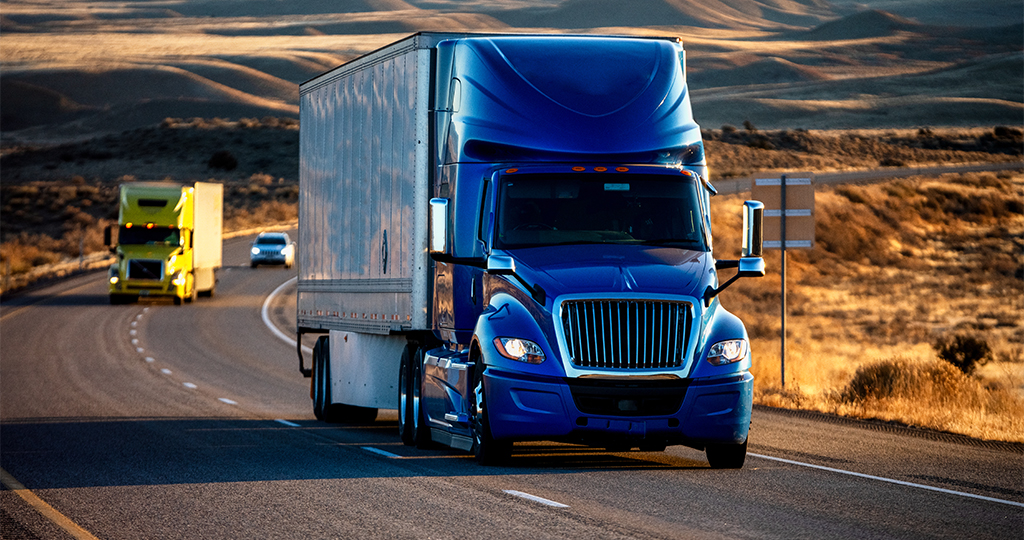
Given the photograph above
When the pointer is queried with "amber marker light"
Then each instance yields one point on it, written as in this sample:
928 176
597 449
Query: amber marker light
622 169
601 169
149 225
579 169
512 170
127 225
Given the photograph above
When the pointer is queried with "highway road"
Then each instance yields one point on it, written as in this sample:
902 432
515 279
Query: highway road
160 421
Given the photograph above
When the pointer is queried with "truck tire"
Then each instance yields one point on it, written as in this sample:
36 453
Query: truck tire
330 412
405 397
726 456
486 449
420 429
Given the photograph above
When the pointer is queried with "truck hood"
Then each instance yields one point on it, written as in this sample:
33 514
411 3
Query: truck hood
615 269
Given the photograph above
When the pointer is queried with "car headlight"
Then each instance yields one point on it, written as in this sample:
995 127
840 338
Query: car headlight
287 250
727 352
255 250
520 350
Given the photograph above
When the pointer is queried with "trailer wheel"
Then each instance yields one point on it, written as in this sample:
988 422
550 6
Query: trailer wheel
486 449
726 456
406 424
318 377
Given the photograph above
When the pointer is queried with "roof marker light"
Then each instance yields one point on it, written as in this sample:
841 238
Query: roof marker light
621 169
600 169
579 169
512 170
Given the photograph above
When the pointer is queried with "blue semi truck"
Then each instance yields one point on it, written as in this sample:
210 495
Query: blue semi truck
508 238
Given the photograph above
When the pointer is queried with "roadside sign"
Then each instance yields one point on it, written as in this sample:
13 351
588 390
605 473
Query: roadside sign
798 199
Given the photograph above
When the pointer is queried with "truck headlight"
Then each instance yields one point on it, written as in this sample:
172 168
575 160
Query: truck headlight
114 280
179 279
727 352
520 350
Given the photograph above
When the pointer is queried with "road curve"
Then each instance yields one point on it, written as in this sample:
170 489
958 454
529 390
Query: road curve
161 421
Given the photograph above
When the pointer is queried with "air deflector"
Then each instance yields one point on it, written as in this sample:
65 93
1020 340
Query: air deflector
592 78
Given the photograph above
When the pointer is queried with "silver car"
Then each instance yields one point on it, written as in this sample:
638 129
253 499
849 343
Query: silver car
272 248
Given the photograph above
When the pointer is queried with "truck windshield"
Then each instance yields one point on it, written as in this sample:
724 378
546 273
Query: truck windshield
555 209
141 235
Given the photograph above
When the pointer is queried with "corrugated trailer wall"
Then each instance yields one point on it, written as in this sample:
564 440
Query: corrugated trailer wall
364 192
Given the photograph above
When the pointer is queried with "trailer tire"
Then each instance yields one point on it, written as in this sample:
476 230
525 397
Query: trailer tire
486 449
406 424
726 456
318 377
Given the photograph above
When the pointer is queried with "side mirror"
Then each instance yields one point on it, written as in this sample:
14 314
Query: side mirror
438 225
501 265
753 232
751 264
108 238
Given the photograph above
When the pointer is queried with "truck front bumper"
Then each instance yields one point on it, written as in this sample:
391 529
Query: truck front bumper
709 411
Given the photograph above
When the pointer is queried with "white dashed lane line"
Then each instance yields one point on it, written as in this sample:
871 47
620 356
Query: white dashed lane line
151 360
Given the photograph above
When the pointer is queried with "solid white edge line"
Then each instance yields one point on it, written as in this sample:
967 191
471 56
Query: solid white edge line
535 498
285 422
889 480
380 452
273 328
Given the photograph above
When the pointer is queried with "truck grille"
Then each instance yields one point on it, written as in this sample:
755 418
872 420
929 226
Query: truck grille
145 269
627 334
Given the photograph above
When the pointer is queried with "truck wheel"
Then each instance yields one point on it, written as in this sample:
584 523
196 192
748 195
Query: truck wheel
726 456
486 449
405 397
177 300
192 295
420 429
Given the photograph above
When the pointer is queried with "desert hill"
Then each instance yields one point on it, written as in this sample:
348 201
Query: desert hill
76 70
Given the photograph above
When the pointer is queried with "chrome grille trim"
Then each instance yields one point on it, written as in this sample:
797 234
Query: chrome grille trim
626 334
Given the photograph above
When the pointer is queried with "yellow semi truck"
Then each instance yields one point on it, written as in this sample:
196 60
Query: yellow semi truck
168 241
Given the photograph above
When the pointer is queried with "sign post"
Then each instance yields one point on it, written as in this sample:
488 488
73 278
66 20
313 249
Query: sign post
788 222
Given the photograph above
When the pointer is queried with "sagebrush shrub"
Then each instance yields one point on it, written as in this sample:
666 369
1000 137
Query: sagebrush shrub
963 351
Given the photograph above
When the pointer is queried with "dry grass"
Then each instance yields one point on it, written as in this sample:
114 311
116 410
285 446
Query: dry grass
896 267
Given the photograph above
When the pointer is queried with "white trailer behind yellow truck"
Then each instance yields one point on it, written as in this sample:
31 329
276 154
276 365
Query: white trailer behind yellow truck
168 242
